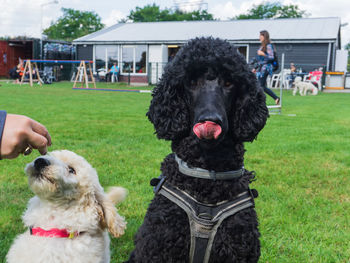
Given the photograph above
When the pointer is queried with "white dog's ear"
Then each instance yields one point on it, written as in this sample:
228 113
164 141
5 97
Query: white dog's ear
109 217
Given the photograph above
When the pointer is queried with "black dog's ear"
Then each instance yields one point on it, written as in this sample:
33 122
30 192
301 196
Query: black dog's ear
168 111
251 112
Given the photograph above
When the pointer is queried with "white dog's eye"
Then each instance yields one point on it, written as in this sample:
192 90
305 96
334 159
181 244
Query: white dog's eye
71 170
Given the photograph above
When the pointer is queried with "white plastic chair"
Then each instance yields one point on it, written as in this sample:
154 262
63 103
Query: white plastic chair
274 81
285 80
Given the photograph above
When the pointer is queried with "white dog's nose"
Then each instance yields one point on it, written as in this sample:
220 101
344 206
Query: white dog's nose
41 163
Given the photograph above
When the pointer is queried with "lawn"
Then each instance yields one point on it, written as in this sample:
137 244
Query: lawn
302 161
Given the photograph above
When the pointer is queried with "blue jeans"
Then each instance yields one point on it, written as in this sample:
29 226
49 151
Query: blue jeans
262 82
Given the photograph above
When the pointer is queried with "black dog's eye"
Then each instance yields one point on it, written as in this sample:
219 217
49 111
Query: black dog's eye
227 84
71 170
194 82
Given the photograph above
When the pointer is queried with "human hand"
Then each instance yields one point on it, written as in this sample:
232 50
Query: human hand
261 53
21 132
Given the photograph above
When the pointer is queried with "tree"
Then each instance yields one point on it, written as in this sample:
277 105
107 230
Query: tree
192 16
149 13
347 47
272 10
152 13
74 24
123 21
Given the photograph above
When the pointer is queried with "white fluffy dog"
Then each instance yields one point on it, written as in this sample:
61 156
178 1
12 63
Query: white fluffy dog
69 217
304 87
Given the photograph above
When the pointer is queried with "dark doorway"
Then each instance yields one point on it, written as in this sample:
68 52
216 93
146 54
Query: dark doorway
172 50
243 51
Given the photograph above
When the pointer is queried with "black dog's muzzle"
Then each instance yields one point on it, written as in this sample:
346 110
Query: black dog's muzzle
209 106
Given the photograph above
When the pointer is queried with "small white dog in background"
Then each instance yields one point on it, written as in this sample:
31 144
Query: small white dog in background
304 87
69 217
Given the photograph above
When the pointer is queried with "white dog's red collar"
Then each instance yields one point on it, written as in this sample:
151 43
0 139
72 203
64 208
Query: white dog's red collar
53 232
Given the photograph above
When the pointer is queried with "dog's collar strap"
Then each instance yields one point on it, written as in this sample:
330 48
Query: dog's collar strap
53 232
206 174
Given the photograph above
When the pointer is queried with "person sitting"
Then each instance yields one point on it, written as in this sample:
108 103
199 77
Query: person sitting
14 74
17 72
113 72
292 75
315 77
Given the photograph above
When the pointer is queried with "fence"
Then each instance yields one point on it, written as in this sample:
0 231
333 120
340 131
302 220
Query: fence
155 71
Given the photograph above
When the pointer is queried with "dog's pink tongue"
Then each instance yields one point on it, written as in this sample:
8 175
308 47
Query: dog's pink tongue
207 130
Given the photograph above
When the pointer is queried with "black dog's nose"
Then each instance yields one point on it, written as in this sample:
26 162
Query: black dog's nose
41 163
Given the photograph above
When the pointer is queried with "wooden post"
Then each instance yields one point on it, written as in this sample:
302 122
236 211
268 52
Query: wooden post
92 76
78 73
82 72
30 73
28 66
86 79
24 72
37 72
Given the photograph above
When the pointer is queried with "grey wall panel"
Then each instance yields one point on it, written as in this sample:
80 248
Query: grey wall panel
84 52
306 56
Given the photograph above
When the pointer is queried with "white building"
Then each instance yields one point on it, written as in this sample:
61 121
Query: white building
142 49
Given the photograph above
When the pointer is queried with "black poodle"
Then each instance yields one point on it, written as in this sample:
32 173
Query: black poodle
207 103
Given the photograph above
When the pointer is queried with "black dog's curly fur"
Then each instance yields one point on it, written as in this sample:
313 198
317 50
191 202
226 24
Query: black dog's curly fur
165 234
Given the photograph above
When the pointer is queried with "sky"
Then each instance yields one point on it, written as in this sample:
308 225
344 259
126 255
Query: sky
25 17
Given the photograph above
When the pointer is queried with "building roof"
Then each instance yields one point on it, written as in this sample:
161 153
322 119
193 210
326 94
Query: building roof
292 29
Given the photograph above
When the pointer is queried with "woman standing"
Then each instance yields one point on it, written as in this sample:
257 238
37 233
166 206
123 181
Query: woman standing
265 58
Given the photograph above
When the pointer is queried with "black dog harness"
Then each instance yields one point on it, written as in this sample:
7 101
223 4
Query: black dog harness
204 219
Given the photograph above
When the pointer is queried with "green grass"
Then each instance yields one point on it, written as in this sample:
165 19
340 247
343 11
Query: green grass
302 163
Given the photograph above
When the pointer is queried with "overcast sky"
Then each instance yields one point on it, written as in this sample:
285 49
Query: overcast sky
23 17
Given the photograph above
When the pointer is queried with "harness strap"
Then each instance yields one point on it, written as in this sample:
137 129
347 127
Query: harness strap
204 219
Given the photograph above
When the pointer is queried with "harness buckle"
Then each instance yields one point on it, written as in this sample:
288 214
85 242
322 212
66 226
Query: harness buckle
157 183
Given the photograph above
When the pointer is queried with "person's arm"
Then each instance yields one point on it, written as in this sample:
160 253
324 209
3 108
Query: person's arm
19 132
261 53
2 125
269 52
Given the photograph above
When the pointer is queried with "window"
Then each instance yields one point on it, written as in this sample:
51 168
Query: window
128 59
134 59
140 55
105 56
